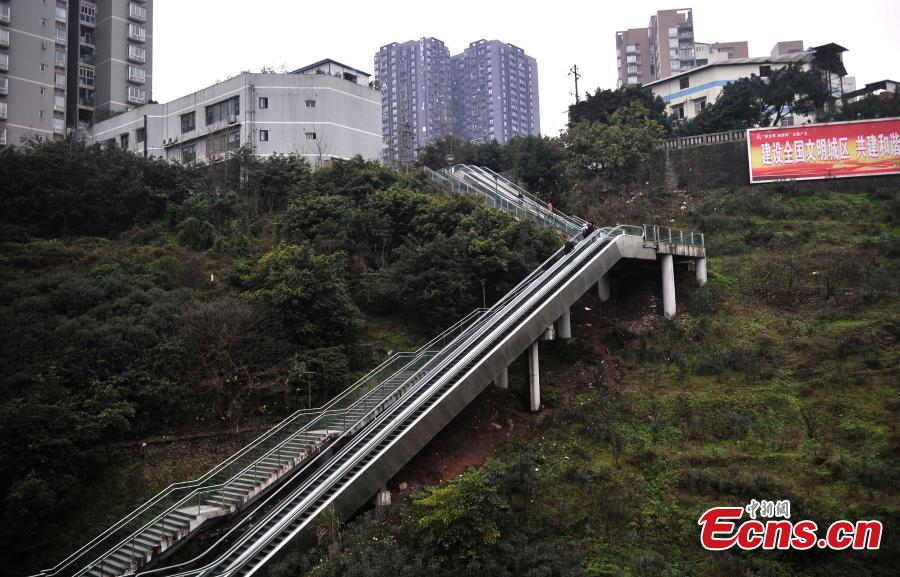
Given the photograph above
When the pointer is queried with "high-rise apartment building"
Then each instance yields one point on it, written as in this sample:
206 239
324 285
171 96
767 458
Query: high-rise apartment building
110 58
64 61
32 70
495 92
633 57
672 41
667 47
415 102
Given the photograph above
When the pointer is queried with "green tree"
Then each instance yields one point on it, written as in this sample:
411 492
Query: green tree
460 517
602 104
539 163
884 105
613 150
306 293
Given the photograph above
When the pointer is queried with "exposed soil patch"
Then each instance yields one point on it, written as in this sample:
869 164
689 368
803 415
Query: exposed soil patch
496 416
475 435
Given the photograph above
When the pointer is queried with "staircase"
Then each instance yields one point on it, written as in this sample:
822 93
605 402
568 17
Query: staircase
379 423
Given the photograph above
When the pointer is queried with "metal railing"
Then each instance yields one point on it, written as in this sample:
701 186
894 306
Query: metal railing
673 236
503 194
210 488
705 139
294 512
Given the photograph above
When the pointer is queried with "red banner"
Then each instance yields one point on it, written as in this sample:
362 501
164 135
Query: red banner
835 150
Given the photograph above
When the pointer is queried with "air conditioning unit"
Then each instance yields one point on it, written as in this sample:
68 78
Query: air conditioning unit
232 120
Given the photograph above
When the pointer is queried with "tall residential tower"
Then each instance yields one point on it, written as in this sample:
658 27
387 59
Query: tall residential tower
667 47
32 70
495 92
110 58
415 102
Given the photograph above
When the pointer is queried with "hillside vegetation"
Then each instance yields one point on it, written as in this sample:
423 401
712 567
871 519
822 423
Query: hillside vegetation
776 381
141 299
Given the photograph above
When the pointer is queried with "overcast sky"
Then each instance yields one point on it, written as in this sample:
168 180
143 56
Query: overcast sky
197 42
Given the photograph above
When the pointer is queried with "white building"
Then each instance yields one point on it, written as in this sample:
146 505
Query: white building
316 114
688 93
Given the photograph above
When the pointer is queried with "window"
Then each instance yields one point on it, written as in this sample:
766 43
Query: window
60 80
136 12
222 110
60 57
3 110
678 111
233 140
673 42
263 135
136 53
4 37
310 103
136 74
699 105
263 102
60 13
188 153
140 135
4 61
4 85
2 137
310 136
136 32
60 35
59 102
765 71
123 141
136 95
4 12
88 14
188 122
684 82
43 91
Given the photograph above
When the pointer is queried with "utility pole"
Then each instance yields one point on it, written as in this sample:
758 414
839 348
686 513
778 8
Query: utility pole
574 72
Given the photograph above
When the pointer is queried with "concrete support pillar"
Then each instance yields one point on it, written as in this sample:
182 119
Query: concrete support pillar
603 288
502 380
668 282
564 325
701 271
534 377
382 497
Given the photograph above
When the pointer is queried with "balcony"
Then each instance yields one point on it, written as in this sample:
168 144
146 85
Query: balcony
61 15
137 13
86 103
4 62
86 58
4 86
4 38
86 39
4 13
59 125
